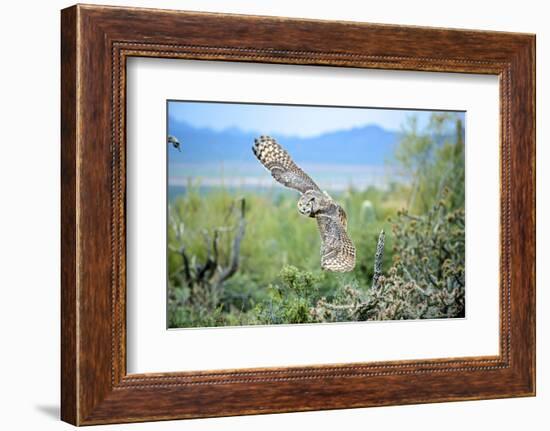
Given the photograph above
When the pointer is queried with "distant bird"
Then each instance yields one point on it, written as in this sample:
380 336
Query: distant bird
337 249
175 143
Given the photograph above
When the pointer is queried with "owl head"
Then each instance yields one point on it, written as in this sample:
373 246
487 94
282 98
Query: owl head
310 203
305 205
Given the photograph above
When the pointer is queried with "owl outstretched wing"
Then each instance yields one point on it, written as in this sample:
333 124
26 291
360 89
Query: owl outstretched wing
280 164
337 249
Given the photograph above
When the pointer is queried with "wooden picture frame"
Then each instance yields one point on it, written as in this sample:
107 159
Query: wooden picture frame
95 43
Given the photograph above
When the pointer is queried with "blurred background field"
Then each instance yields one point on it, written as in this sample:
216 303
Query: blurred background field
239 253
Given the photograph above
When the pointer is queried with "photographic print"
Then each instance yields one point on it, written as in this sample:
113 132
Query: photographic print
297 214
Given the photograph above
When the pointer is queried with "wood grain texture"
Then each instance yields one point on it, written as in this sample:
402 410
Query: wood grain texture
96 41
69 397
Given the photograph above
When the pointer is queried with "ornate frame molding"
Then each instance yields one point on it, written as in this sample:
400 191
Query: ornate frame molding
96 41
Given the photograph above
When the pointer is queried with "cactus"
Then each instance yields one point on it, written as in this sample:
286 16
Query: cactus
426 280
378 257
367 212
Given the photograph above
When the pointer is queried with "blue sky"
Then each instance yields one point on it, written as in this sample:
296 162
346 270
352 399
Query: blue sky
302 121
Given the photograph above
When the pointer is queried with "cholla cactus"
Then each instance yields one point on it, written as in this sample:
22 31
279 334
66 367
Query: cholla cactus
378 257
426 281
429 262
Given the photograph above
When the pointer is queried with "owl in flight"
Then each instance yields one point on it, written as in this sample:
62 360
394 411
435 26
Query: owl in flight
337 250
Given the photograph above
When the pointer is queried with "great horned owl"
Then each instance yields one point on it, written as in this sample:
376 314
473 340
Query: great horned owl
337 250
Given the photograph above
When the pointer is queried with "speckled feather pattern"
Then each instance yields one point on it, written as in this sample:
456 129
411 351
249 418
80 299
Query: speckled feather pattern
276 159
337 249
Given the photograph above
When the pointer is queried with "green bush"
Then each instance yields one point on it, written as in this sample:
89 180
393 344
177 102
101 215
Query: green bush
276 237
426 280
279 280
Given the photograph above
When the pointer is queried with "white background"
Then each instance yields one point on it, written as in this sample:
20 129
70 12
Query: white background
29 216
151 348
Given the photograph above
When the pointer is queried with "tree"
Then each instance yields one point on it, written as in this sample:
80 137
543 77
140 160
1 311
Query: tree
200 283
433 159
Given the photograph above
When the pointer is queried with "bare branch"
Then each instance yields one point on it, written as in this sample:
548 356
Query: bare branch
185 259
235 249
336 307
206 238
206 277
209 265
215 244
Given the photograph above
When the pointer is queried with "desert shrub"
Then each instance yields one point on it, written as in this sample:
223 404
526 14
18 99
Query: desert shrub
276 237
426 280
424 254
279 279
433 158
290 299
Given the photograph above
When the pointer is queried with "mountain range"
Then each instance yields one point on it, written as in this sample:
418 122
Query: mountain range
367 145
